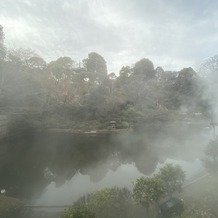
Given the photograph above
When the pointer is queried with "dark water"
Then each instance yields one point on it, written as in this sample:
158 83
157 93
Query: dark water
57 168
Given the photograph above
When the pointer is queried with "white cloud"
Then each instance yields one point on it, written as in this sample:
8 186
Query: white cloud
173 34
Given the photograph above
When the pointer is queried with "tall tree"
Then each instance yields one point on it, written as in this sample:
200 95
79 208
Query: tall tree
111 202
23 57
96 68
95 63
173 177
186 81
2 47
186 88
36 63
61 68
124 75
147 191
145 69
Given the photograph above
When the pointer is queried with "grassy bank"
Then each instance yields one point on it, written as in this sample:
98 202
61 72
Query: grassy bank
203 195
11 208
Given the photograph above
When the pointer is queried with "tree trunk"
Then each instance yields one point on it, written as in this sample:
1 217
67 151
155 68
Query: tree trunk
147 212
156 207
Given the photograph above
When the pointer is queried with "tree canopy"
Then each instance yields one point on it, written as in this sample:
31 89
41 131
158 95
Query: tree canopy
173 177
145 69
95 63
140 93
148 190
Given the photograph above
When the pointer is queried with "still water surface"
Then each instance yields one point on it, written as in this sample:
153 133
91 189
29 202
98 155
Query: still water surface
57 169
124 176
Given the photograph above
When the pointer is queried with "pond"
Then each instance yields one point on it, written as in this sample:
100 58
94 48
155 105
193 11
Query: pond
57 168
124 176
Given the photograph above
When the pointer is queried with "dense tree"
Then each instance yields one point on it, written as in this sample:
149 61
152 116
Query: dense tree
62 81
144 69
20 87
95 63
179 89
106 203
125 71
131 115
123 78
90 94
147 191
173 177
111 202
78 211
36 63
20 56
61 68
168 97
96 67
185 83
96 103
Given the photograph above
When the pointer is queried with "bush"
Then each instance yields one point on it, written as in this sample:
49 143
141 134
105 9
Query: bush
125 125
111 202
106 203
131 114
79 211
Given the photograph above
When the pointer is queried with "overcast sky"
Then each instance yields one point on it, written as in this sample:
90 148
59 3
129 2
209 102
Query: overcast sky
172 33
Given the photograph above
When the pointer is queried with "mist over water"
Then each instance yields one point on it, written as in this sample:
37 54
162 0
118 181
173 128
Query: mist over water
95 94
81 185
58 168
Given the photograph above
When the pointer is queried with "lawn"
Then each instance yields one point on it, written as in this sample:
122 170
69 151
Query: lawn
203 194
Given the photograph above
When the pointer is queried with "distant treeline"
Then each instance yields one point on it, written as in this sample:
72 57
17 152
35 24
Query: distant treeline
65 93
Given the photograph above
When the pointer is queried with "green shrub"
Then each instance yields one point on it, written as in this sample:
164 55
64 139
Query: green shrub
106 203
111 202
125 124
131 114
122 124
79 211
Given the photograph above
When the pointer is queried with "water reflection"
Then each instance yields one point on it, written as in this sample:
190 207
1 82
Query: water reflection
59 167
81 184
123 176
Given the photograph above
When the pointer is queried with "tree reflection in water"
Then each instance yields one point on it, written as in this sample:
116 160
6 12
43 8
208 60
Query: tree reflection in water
29 164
